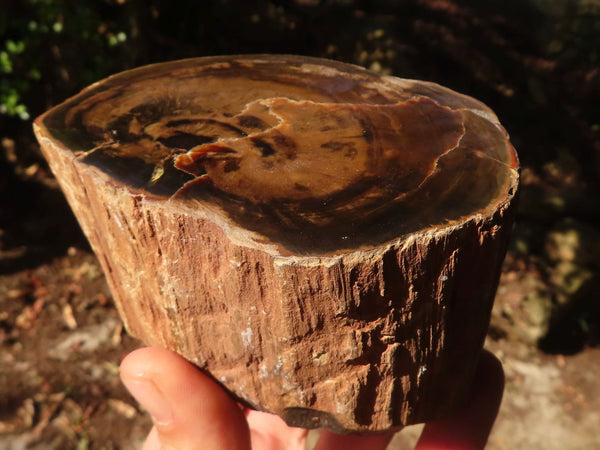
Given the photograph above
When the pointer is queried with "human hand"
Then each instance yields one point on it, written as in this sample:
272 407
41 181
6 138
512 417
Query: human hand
191 411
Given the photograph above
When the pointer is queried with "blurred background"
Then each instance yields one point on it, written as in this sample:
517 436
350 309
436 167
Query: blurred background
535 62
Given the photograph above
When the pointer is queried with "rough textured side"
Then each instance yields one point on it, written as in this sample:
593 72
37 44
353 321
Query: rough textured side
364 341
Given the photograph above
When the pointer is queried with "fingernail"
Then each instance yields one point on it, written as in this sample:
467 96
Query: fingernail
151 399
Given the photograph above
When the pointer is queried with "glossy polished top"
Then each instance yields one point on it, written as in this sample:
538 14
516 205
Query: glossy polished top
313 156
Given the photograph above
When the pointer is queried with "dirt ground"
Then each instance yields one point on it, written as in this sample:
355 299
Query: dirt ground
61 340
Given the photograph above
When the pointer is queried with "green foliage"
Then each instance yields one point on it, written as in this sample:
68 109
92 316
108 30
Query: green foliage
10 103
49 48
9 92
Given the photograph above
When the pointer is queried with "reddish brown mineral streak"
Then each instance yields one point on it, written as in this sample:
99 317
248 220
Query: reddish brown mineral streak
363 339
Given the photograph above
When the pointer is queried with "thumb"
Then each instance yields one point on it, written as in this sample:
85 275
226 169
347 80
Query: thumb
188 408
470 427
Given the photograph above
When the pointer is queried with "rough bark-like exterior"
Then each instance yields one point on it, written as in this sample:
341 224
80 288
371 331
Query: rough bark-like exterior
363 339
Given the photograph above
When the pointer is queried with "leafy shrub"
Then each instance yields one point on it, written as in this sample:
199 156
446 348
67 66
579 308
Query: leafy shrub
49 48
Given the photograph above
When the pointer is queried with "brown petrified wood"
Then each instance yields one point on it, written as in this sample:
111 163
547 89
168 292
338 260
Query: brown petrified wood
325 241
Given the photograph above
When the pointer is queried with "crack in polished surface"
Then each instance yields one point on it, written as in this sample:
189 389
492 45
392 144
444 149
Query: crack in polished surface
312 156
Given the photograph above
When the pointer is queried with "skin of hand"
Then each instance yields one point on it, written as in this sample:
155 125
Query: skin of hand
191 411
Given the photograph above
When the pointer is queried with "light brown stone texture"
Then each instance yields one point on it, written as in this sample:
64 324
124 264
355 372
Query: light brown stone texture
324 241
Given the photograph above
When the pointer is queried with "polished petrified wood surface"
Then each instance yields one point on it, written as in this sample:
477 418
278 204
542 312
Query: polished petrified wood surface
312 157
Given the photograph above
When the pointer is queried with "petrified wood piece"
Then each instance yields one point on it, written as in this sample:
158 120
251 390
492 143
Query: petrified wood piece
323 240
